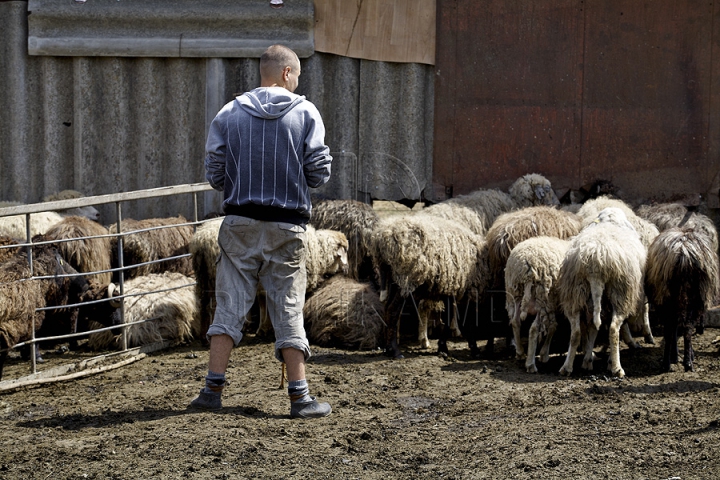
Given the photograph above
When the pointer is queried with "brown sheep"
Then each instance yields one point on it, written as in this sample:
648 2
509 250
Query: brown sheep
681 283
157 240
354 219
344 313
88 254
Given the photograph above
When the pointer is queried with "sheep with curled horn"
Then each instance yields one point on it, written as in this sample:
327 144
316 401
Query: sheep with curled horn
682 284
603 269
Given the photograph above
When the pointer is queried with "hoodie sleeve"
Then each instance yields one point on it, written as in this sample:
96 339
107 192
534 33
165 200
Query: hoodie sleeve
317 160
215 150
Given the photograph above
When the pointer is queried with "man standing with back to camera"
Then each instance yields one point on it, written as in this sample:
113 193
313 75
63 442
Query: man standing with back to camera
264 149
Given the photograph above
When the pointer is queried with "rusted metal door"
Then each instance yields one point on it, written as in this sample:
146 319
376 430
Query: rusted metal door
619 90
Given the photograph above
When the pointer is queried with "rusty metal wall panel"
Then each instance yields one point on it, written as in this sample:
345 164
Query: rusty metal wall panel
578 91
508 92
646 97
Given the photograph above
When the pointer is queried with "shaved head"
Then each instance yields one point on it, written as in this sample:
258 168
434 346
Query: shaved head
274 61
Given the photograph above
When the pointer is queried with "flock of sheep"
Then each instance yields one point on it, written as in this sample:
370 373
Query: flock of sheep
598 267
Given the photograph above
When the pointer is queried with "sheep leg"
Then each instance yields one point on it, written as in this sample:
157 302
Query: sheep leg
444 328
393 310
532 345
627 336
454 326
575 334
688 354
423 328
471 331
3 356
646 330
515 324
589 348
596 288
552 327
614 341
670 328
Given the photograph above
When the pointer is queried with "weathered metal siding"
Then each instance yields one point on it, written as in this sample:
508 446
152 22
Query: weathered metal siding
114 124
578 91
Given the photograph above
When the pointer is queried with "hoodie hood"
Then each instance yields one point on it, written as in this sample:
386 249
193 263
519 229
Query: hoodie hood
269 102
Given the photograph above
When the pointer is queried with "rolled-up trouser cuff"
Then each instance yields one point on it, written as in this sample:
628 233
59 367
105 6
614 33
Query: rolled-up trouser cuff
297 344
220 329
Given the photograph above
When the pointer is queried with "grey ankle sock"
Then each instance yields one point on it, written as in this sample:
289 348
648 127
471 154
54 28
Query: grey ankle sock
299 391
214 382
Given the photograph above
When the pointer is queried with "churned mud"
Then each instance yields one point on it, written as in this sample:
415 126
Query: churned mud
426 416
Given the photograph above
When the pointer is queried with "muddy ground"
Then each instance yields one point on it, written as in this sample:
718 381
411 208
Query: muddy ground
426 416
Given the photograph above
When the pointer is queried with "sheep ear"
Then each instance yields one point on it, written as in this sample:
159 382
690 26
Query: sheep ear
342 254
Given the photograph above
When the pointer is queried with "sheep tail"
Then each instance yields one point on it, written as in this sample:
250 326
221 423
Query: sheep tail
596 287
525 302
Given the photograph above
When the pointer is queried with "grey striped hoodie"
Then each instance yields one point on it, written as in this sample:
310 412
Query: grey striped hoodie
264 149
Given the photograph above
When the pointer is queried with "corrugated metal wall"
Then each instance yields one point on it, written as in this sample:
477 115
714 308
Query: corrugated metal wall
114 124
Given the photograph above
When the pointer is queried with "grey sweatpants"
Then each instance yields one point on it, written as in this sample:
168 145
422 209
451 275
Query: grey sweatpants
272 253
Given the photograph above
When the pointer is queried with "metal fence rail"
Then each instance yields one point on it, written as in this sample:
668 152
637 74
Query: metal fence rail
118 199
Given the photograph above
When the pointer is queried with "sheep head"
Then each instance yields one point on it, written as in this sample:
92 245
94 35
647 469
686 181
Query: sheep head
533 189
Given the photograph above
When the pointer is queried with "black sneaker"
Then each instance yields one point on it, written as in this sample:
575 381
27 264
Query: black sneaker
206 401
311 409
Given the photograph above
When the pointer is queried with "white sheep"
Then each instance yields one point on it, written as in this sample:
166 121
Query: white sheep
639 321
171 314
606 261
531 276
429 257
15 226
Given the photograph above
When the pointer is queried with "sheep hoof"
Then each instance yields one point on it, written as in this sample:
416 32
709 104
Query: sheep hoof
587 365
424 344
649 339
545 358
620 373
520 355
565 371
689 368
531 368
